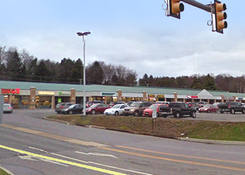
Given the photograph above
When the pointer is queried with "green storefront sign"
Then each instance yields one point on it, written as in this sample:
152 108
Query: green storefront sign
108 94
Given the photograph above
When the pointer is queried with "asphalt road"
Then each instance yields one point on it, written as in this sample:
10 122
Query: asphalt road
33 146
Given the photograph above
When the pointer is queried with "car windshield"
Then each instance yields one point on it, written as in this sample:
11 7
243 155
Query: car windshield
135 104
152 106
117 106
72 106
6 105
207 106
94 105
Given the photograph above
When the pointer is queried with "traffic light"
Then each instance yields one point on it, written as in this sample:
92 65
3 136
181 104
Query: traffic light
174 7
220 16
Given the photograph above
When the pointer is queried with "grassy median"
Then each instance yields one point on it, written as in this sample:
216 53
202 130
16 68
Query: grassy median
162 127
2 172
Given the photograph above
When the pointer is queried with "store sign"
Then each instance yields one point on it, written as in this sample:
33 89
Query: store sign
108 94
192 97
63 93
46 93
11 91
59 100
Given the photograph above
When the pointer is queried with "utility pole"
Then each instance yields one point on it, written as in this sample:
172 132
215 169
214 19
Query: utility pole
1 107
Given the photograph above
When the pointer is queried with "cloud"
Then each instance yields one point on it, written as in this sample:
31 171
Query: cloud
153 52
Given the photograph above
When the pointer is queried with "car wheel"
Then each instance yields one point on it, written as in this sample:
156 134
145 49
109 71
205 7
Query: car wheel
193 115
157 115
93 112
177 115
136 113
116 113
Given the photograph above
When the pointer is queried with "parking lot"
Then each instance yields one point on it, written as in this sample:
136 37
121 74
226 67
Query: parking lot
227 117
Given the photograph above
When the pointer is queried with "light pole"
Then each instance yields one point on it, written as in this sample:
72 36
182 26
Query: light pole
83 34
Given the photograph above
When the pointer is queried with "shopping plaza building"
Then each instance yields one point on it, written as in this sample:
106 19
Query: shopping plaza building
46 95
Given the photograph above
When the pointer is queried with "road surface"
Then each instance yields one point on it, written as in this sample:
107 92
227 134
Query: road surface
33 146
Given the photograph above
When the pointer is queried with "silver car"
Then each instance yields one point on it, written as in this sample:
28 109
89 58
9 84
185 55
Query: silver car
7 108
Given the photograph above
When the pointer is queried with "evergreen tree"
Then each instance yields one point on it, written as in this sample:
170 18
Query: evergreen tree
95 74
14 67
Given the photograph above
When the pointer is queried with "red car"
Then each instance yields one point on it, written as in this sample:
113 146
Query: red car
148 111
208 108
97 109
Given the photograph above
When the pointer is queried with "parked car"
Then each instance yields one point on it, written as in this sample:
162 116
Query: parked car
115 110
178 109
194 105
61 106
137 108
7 108
73 109
97 108
148 111
90 103
130 102
115 103
231 107
202 103
208 108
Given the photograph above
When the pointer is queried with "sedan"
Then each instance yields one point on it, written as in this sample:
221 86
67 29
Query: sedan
73 109
7 108
115 110
97 109
208 108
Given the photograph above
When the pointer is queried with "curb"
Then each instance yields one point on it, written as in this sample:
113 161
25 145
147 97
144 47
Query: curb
222 142
7 171
56 120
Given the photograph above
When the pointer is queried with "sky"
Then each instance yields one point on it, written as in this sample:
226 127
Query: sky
132 33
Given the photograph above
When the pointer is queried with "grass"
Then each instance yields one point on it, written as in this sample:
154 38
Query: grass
162 127
2 172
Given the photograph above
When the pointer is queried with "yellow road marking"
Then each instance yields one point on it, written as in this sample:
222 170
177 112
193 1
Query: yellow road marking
62 161
104 147
180 155
172 160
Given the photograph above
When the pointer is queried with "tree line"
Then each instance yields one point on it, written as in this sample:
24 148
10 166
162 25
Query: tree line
21 66
221 82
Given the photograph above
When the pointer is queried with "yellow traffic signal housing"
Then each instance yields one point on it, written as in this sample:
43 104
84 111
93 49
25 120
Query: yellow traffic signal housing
174 7
220 16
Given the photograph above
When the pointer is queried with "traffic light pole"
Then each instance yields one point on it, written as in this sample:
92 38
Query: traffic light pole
194 3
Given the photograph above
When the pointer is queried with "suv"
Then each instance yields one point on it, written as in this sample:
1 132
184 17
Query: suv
181 109
231 107
137 108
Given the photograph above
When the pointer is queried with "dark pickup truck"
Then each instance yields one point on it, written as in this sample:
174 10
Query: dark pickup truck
231 107
177 110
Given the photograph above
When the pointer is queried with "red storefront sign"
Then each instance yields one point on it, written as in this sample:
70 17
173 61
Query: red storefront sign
11 91
192 97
